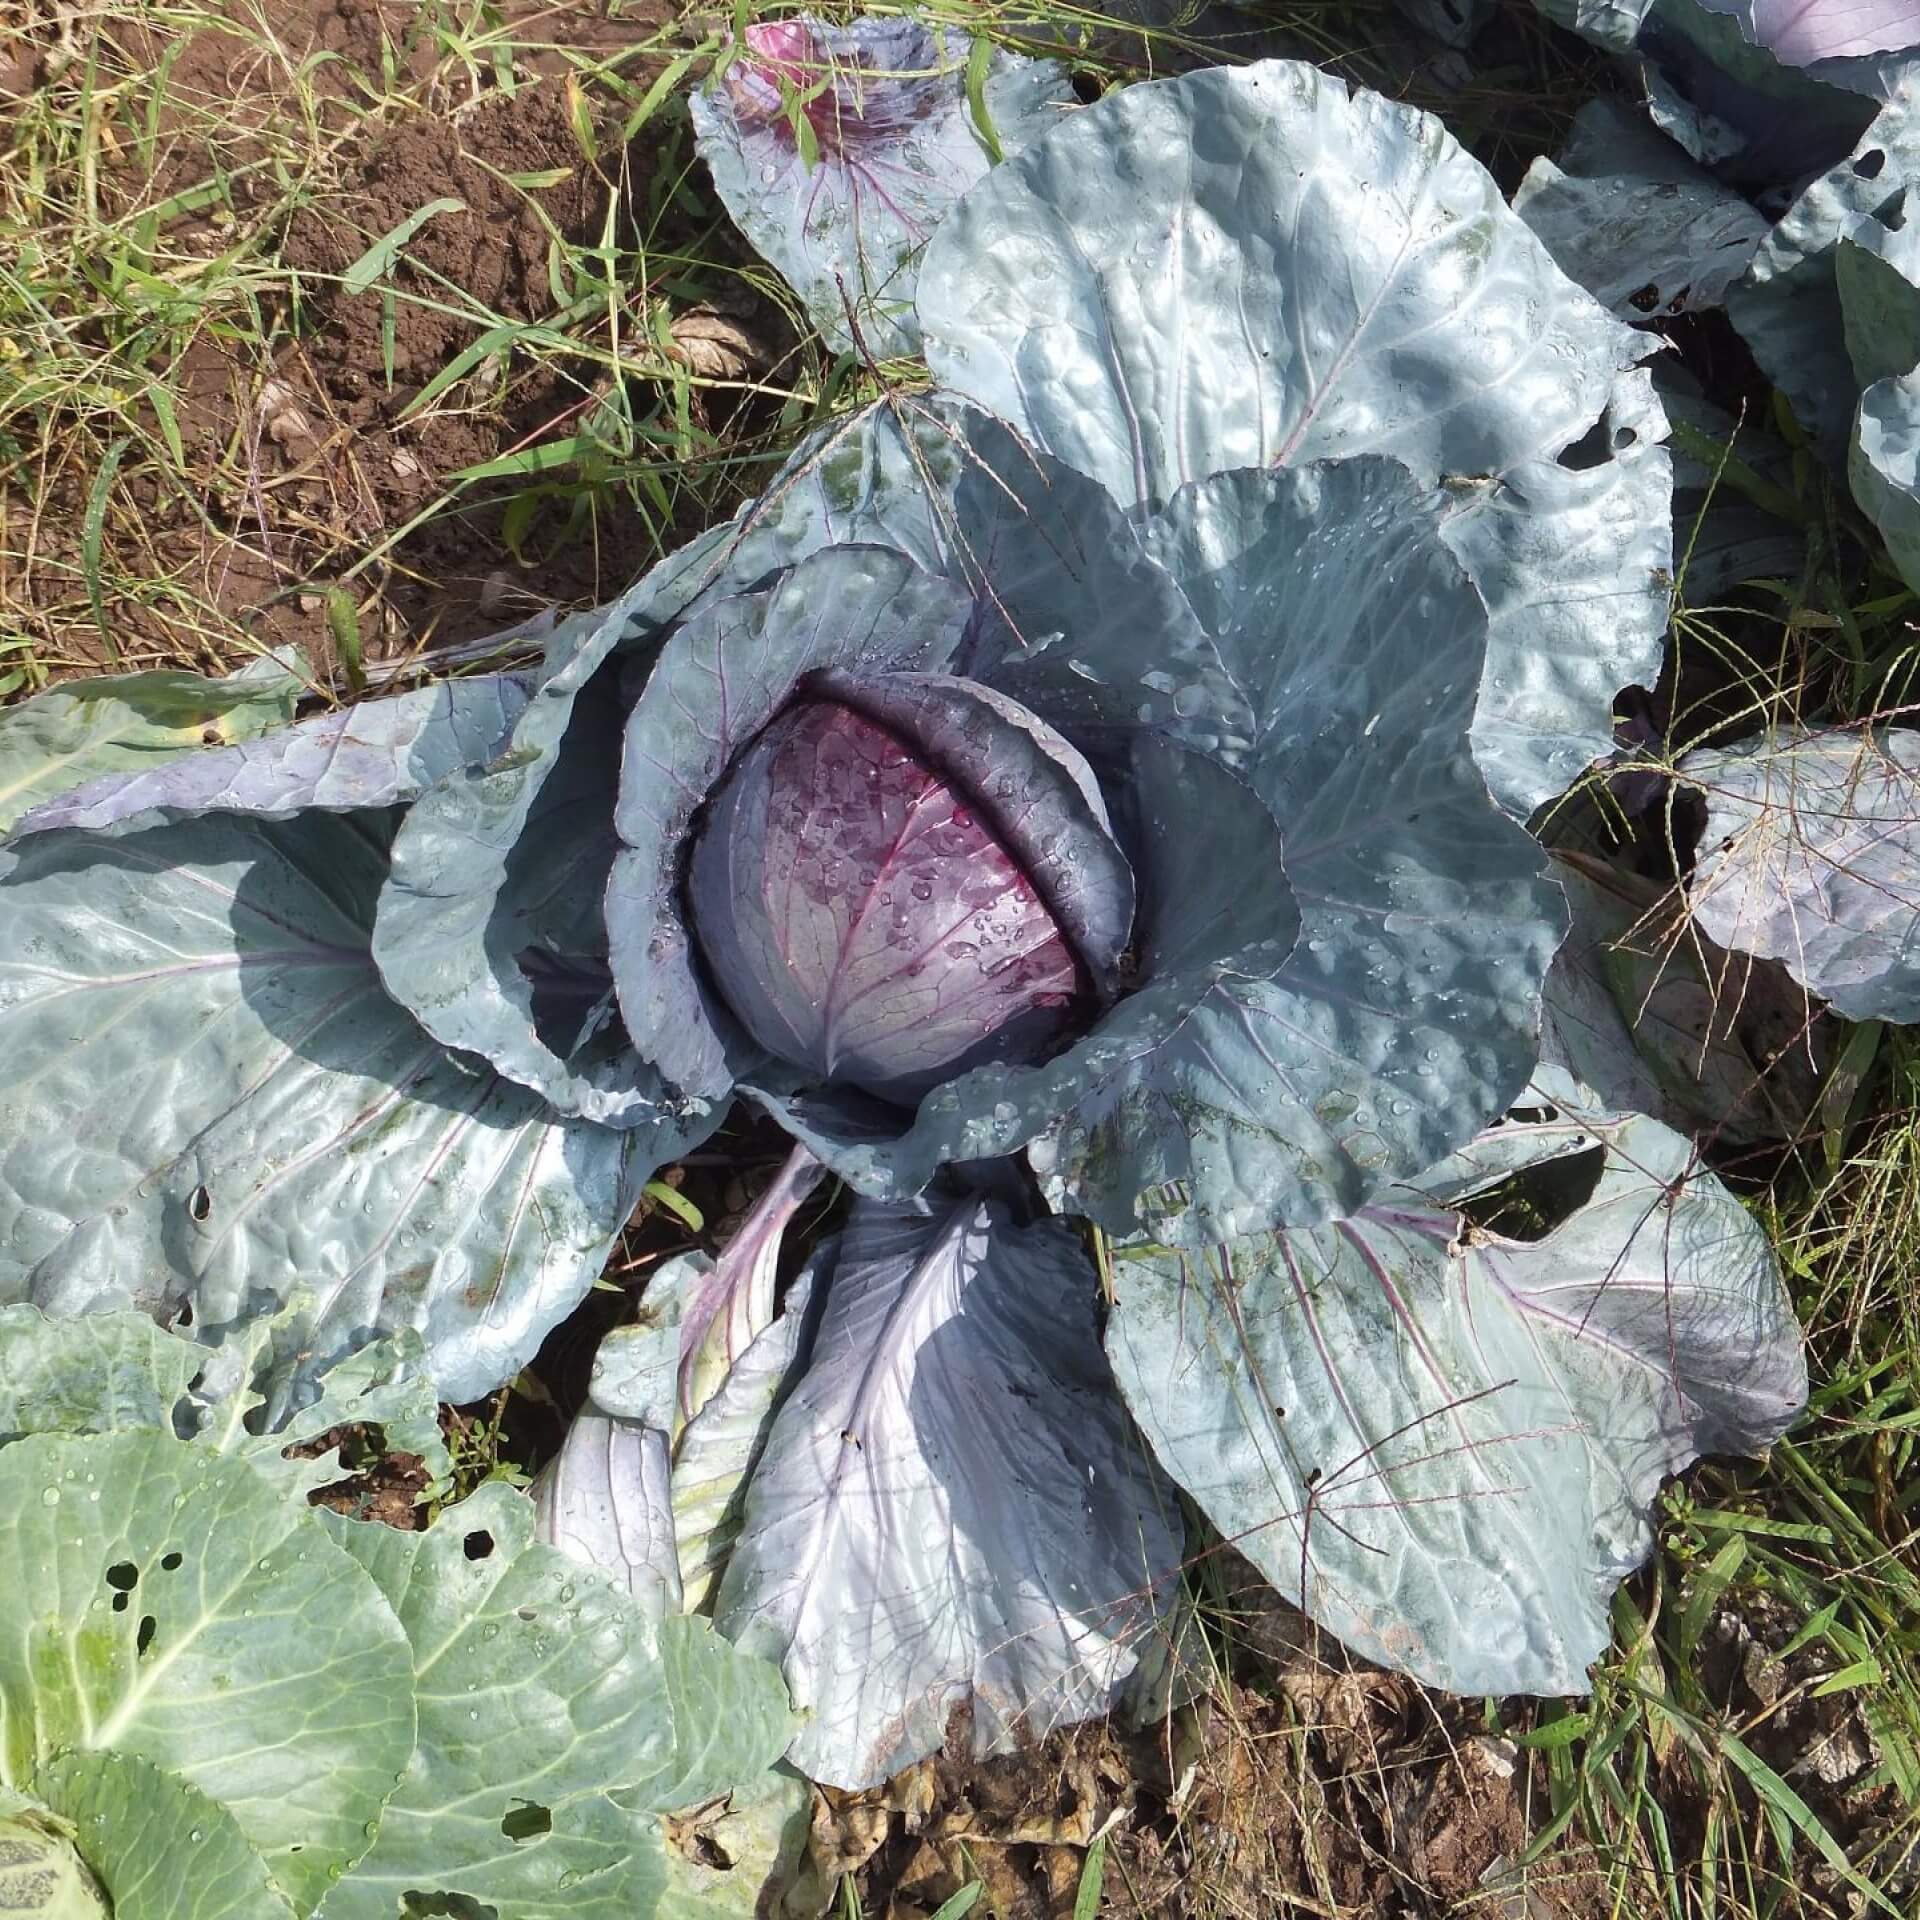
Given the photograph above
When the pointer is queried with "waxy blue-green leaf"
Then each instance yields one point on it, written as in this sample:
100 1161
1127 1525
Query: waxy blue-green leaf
1788 307
1630 217
1442 1443
490 928
125 722
1883 467
1405 1016
372 755
206 1099
205 1626
603 1500
1255 268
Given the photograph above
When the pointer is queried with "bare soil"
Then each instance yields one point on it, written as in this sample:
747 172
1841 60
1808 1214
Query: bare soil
304 424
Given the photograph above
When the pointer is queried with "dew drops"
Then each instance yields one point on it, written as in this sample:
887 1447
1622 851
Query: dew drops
49 1496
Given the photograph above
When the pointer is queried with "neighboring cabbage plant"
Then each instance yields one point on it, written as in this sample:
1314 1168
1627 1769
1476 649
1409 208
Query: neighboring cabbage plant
1810 856
1762 91
1093 788
839 148
259 1709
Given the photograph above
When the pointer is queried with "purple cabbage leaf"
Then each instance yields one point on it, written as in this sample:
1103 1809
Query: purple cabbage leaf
952 1512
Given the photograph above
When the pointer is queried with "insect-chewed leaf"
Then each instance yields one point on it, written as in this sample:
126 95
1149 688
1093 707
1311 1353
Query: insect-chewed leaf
555 1723
1630 217
216 1635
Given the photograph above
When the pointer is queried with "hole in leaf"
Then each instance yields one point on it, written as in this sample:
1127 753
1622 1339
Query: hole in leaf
119 1603
184 1318
1530 1204
170 1563
526 1821
1590 450
200 1204
704 1850
456 1906
144 1638
123 1576
1871 164
478 1544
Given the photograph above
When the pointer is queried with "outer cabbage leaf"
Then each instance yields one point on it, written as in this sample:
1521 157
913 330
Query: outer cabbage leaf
720 678
731 1304
1608 23
162 1849
1811 856
648 1483
1731 103
1446 1443
119 1372
372 755
724 1440
1406 1014
75 732
105 1373
951 1511
1630 217
760 1833
1877 268
489 928
206 1099
1069 615
1884 467
1253 268
838 149
544 1691
236 1405
1788 309
172 1579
